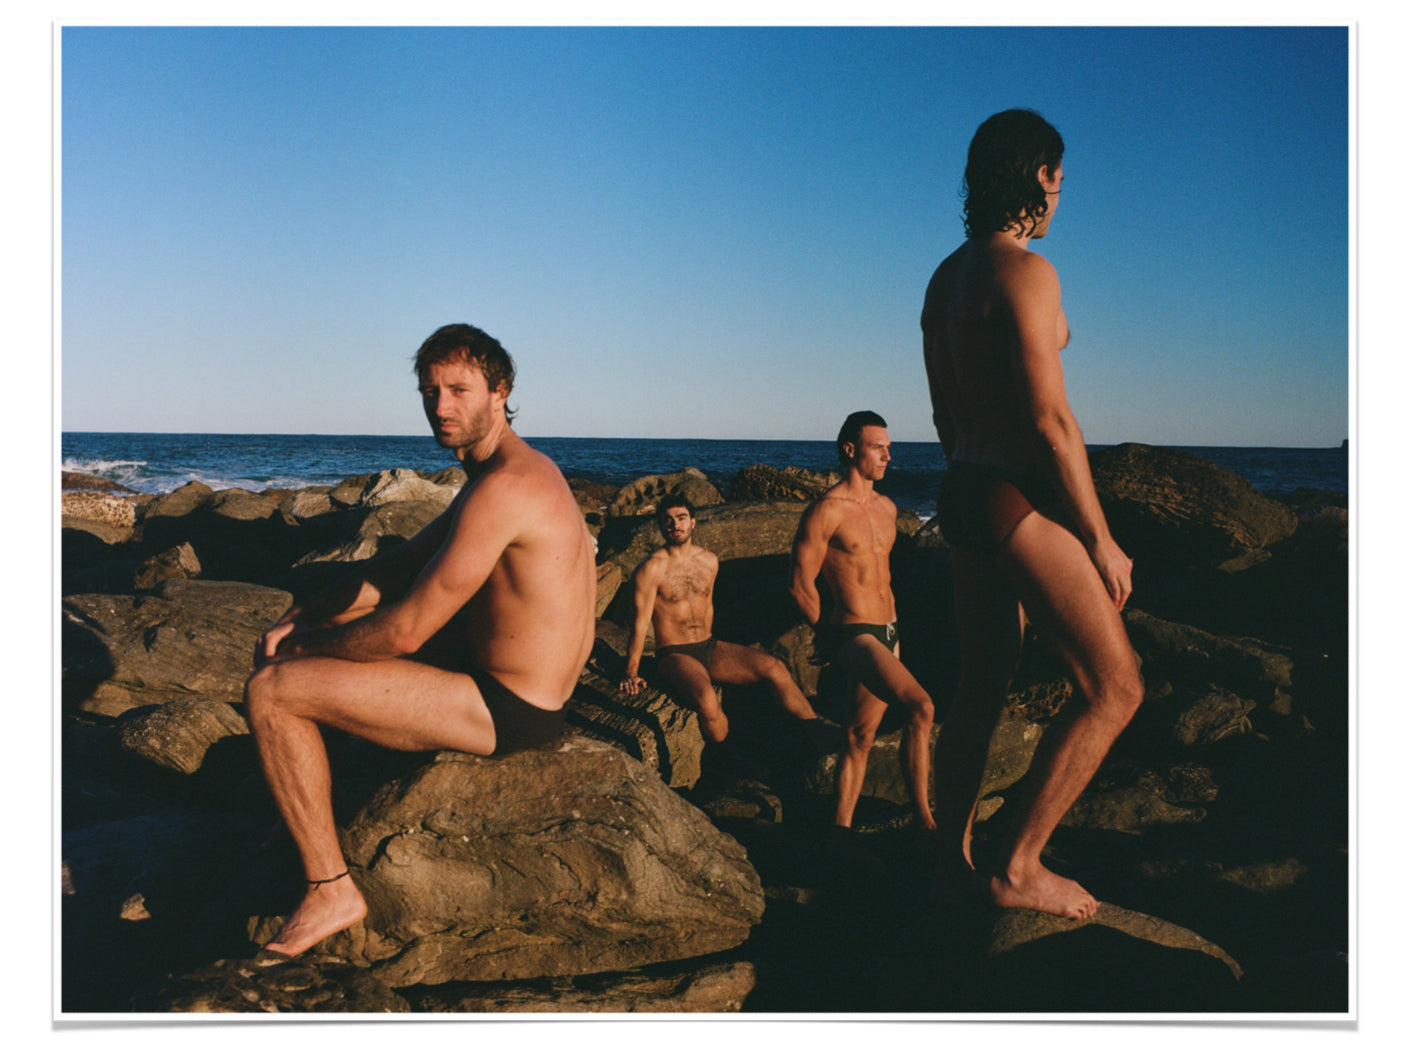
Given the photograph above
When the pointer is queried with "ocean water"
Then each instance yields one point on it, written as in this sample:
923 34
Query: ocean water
160 462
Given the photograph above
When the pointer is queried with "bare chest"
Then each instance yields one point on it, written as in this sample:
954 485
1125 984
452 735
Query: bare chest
686 580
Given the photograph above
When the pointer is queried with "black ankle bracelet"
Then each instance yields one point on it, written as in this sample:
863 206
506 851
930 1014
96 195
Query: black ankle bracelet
324 881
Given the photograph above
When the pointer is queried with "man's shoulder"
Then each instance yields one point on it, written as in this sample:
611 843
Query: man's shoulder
653 564
1024 269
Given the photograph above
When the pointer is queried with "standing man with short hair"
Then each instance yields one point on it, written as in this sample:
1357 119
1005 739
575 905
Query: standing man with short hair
470 636
673 592
847 535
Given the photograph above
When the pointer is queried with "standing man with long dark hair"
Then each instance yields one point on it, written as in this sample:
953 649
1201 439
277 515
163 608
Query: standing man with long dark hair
1019 511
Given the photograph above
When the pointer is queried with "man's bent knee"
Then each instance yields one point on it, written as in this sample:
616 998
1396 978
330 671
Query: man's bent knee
922 712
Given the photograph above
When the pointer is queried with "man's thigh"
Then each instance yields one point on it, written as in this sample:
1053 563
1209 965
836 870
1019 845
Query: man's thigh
878 670
686 676
736 663
400 704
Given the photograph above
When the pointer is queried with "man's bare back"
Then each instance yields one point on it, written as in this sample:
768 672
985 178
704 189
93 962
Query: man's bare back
972 351
530 624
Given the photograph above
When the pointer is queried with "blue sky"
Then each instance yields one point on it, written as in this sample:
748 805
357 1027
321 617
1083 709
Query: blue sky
697 232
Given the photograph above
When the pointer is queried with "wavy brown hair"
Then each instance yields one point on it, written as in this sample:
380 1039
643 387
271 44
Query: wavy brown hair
460 341
1000 180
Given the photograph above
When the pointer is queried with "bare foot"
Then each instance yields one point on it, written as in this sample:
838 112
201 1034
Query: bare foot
1043 890
325 909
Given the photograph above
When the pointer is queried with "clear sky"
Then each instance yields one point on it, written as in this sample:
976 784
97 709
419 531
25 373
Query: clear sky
689 232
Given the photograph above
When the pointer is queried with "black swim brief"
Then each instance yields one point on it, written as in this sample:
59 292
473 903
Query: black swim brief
702 651
979 506
517 724
828 638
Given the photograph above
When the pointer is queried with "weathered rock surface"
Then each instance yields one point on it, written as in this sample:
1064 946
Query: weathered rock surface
1165 506
311 985
641 496
609 580
1117 961
762 482
70 479
177 563
732 531
1223 807
366 532
650 726
177 735
114 511
568 859
188 638
718 988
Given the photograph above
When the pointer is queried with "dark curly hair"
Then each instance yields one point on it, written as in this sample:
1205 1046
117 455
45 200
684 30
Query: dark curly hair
460 341
1000 180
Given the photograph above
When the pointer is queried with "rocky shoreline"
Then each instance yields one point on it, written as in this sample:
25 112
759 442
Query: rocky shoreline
629 868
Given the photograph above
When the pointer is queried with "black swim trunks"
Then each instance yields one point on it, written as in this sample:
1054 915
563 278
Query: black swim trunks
702 651
979 506
517 724
829 638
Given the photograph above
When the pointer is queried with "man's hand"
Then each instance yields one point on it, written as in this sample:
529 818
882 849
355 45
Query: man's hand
1114 567
268 646
633 684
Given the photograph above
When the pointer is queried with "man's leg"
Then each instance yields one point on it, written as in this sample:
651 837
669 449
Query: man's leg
400 704
881 672
688 678
1066 600
860 735
991 623
736 664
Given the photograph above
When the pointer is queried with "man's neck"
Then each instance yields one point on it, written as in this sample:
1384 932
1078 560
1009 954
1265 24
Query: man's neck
474 457
857 487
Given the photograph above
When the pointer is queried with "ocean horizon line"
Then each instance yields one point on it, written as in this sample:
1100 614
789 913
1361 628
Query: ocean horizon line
673 440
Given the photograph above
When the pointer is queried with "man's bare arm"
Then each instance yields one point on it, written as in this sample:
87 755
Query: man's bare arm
1035 298
809 552
357 594
482 525
645 582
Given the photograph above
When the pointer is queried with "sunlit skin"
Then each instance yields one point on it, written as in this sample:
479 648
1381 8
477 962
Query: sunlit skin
673 594
994 329
504 580
846 536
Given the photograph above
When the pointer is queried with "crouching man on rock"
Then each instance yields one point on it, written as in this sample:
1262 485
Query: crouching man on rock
673 592
470 636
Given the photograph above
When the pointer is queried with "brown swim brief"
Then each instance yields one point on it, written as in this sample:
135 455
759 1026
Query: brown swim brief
702 651
979 506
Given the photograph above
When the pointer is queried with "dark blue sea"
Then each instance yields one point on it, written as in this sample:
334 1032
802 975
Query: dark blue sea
160 462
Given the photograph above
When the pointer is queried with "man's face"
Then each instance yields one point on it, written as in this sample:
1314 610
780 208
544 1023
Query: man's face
871 453
1052 184
676 525
458 404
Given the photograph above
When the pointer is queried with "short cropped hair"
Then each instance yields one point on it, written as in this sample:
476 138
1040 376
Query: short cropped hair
469 345
851 430
673 499
1000 180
